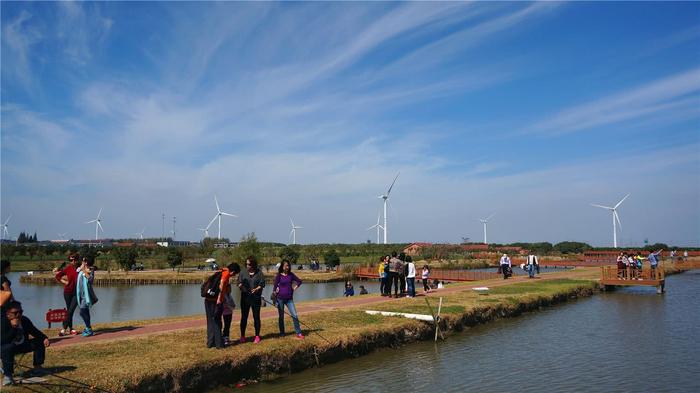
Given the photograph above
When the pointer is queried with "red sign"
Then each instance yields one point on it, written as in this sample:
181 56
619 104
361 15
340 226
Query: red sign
59 315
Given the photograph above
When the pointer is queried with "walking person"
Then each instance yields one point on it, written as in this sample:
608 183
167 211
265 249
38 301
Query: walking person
531 265
68 276
411 277
84 294
505 265
286 282
425 275
251 284
15 332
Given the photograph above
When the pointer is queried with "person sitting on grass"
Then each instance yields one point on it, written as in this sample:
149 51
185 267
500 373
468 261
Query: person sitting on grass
363 291
349 290
16 330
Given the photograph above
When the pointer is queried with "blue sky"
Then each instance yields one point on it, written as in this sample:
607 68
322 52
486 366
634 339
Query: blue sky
308 110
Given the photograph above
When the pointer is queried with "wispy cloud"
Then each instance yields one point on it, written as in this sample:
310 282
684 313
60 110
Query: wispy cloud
80 28
18 38
655 97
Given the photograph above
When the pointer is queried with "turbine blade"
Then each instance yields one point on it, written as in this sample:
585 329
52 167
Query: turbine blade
99 213
392 184
100 225
212 221
622 200
8 220
618 219
298 227
290 220
217 204
372 227
90 222
228 214
489 217
601 206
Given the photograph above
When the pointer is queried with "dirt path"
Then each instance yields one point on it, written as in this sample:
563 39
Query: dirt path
126 332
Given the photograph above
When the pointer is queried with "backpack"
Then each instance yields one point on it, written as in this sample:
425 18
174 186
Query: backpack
210 288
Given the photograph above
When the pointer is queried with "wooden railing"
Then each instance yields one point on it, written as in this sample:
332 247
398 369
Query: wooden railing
612 273
436 274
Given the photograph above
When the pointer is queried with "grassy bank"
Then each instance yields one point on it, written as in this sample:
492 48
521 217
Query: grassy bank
175 277
179 361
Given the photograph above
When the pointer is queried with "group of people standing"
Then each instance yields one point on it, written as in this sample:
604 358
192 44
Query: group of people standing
77 277
251 282
629 265
399 272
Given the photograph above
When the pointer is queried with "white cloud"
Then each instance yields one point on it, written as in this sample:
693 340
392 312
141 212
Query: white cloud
655 97
18 37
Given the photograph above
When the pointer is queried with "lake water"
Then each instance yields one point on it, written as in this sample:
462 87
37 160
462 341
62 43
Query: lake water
623 341
125 303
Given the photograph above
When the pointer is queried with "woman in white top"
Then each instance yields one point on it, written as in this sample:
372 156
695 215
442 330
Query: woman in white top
425 276
411 277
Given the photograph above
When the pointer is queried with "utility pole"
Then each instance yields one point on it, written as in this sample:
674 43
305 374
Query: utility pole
163 235
174 221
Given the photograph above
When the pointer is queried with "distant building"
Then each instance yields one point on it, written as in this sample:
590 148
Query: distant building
416 248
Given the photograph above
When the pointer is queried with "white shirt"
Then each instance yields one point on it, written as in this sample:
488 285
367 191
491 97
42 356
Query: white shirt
505 261
411 270
531 260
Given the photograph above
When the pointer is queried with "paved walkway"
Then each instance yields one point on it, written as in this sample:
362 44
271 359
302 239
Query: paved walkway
364 301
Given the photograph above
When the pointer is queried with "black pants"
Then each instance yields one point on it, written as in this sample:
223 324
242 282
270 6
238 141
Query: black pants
394 282
386 282
402 282
71 305
248 302
85 314
214 312
426 286
227 324
9 351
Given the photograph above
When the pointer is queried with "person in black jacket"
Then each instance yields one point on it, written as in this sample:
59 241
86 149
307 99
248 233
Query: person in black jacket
16 330
251 282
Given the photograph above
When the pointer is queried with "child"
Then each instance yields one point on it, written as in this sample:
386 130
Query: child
349 290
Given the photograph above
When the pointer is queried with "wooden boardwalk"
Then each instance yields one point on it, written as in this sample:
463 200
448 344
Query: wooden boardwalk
612 276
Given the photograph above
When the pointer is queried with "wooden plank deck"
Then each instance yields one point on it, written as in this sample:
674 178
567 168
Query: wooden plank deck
612 276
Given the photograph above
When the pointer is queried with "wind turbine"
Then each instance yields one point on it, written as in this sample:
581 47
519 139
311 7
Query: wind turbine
5 232
485 221
293 233
377 225
61 236
386 199
97 221
615 217
218 215
205 232
140 234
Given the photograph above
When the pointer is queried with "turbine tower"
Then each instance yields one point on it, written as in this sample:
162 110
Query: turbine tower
5 232
386 200
485 221
97 221
293 233
218 215
615 217
377 225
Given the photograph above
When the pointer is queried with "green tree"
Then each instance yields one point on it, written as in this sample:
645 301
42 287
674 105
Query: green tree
174 257
125 257
290 253
331 258
248 246
571 247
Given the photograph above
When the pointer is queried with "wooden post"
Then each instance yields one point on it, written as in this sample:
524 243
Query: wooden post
437 320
